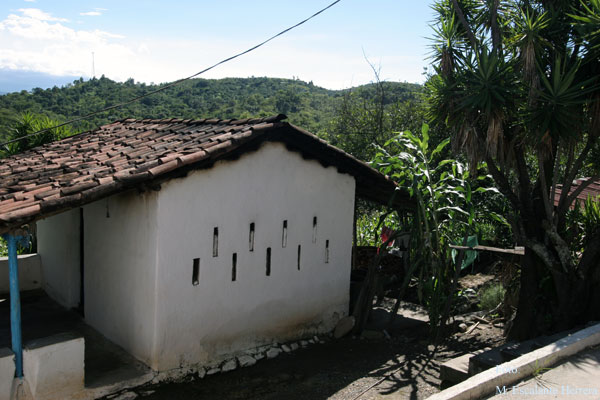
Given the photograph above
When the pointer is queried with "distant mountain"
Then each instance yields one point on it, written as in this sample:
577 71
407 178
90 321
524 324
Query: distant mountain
306 105
17 80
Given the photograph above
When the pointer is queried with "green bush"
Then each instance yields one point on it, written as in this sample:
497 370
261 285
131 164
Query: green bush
491 296
28 249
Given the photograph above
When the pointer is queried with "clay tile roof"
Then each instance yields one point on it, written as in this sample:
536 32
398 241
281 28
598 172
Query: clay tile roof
592 191
143 153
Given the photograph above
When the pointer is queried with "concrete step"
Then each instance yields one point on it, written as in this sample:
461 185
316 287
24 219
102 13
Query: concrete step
487 359
518 349
510 351
456 370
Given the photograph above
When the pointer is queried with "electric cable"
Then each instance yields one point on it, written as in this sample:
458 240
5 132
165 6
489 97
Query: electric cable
174 83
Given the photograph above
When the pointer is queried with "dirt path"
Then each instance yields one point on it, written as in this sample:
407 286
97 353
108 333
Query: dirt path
340 369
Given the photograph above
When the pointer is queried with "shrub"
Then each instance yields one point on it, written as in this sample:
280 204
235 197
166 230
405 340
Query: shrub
491 296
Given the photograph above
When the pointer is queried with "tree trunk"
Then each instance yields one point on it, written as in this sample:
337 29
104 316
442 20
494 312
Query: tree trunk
590 265
557 302
525 324
364 303
577 294
533 309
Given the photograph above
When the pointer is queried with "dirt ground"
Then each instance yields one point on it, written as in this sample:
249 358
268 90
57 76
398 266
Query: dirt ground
404 365
474 281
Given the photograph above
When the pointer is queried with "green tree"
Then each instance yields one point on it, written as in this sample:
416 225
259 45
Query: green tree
368 117
516 82
28 124
308 106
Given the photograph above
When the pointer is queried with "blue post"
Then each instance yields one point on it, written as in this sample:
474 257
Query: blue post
15 302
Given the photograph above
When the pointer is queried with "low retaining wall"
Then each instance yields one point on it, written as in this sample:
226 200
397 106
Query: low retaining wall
483 384
53 366
7 373
30 272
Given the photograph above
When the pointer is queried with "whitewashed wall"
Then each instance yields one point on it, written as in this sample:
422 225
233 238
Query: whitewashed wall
203 323
120 266
58 246
139 259
30 273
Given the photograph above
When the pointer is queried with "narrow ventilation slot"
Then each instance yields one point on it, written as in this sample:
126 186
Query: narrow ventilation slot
314 235
216 242
268 263
284 234
327 251
299 256
234 267
251 237
196 272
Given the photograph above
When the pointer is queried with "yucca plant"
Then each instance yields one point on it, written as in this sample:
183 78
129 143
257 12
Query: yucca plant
526 100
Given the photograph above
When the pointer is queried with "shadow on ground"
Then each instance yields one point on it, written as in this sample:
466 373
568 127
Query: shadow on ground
105 362
403 366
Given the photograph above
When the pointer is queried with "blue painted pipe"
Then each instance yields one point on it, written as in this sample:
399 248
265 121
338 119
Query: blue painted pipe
15 303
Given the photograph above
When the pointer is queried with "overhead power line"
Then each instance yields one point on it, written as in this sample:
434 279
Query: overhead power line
174 83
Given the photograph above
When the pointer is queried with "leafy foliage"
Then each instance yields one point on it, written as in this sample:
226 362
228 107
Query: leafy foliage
517 84
20 249
26 125
363 121
305 104
445 211
583 224
490 296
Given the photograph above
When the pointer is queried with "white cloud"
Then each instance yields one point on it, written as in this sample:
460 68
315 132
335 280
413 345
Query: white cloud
97 12
30 1
37 41
40 15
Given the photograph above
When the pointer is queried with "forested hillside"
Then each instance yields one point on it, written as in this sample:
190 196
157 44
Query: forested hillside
306 105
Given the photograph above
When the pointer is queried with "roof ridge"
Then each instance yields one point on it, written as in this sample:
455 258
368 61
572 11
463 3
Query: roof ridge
210 121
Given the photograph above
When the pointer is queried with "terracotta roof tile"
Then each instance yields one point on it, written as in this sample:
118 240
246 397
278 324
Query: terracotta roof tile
592 191
192 158
21 213
164 168
7 204
126 153
47 193
79 187
104 180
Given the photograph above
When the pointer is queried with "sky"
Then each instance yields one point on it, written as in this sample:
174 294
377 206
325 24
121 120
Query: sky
156 41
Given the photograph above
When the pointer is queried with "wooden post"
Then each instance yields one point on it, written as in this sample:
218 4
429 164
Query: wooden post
519 250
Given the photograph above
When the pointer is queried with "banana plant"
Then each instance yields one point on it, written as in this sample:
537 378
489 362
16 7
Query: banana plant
444 212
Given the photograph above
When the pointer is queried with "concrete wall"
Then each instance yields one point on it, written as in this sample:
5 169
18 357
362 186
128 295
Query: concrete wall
30 273
7 373
199 324
53 367
120 264
58 246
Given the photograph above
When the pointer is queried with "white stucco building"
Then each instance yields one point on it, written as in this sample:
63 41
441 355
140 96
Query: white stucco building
187 242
